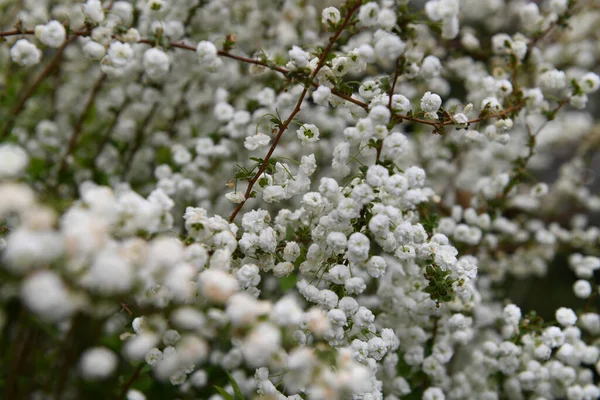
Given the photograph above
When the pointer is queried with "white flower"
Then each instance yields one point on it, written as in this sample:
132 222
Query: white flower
330 15
223 112
25 53
322 95
156 63
119 54
13 160
358 247
368 14
316 321
261 344
273 193
206 52
387 19
400 103
377 175
97 363
430 67
388 46
131 36
235 197
431 103
512 314
47 296
287 312
566 316
553 79
109 274
589 82
248 275
256 141
53 34
559 6
134 394
299 57
217 285
243 309
376 266
122 11
582 289
340 66
380 115
460 119
308 133
136 348
94 11
283 269
94 50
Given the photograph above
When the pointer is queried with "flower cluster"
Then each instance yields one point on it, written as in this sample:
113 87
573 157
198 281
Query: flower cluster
309 200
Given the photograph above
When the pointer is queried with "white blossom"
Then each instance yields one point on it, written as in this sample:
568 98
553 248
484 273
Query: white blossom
25 53
52 34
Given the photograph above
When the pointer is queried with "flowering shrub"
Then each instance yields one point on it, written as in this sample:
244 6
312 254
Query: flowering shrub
218 199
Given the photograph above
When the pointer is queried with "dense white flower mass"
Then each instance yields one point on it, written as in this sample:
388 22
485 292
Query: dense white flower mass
350 199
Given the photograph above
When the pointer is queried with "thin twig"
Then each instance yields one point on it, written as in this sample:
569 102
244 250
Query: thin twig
107 133
16 32
130 381
390 94
138 140
78 127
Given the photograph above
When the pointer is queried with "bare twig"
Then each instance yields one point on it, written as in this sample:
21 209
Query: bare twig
130 381
78 127
138 140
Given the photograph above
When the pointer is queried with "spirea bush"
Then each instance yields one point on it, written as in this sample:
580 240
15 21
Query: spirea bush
299 199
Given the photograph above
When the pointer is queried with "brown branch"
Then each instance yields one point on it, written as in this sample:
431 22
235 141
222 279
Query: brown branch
296 109
282 70
78 127
390 94
521 166
138 140
286 72
16 32
541 36
106 136
393 87
130 381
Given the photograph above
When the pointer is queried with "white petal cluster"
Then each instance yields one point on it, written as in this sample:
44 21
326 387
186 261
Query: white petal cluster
156 63
25 53
52 34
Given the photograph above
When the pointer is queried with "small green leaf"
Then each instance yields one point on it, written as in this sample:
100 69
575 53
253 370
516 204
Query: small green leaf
236 388
224 393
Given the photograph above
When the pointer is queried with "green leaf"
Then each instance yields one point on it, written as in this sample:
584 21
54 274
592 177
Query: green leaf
236 388
287 283
224 393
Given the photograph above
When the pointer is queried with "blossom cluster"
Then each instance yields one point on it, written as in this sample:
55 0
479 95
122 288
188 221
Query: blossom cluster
307 200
